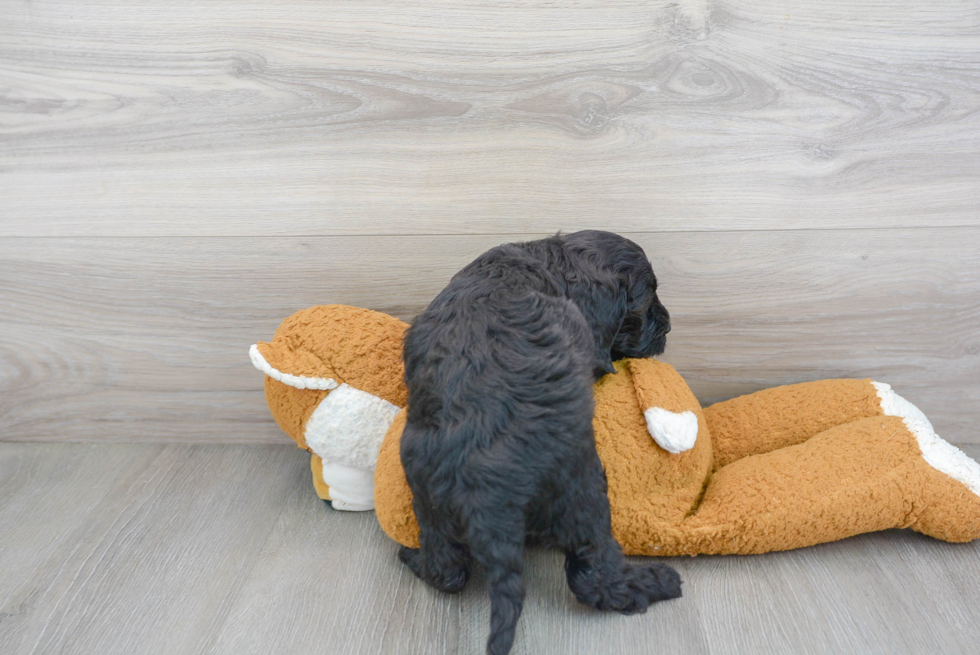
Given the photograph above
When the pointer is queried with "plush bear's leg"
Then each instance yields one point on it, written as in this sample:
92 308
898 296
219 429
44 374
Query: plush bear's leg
321 487
950 488
774 418
872 474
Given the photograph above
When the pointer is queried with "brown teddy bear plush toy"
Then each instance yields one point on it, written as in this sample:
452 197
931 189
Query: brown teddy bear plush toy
334 383
777 469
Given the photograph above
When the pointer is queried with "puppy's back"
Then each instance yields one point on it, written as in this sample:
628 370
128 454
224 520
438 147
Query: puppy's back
492 367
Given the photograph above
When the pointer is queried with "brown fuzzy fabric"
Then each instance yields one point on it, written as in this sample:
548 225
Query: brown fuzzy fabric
321 487
863 476
945 509
392 496
785 416
646 483
292 407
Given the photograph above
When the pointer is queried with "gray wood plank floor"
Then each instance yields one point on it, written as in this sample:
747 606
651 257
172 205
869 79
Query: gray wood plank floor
150 548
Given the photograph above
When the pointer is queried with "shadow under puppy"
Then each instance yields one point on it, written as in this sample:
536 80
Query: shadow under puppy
498 447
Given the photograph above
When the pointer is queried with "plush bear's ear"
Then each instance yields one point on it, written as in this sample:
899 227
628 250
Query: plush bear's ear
295 367
322 347
295 383
668 405
351 353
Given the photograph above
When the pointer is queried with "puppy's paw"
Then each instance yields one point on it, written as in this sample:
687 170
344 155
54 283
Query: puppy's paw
627 589
412 558
648 584
451 580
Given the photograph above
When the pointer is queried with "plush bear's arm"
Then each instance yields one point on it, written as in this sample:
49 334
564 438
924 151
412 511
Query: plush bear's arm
667 404
392 495
784 416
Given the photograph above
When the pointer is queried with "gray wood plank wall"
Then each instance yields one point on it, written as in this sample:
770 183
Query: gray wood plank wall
176 178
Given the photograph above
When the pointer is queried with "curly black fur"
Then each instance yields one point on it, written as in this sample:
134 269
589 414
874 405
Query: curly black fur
498 447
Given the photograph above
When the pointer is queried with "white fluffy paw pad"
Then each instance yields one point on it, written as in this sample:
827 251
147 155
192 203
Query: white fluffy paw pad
351 489
673 432
894 405
944 456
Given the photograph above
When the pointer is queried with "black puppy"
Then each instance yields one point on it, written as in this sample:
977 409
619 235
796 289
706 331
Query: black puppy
498 447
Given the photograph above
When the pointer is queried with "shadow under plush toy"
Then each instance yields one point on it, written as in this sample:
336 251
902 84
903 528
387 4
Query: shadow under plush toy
781 468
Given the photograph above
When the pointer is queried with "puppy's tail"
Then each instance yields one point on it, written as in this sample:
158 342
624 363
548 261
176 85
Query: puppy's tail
506 603
503 556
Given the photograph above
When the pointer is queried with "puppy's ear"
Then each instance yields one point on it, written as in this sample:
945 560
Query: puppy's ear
604 305
603 365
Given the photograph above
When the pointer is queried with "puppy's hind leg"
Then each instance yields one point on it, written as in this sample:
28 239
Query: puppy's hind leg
596 570
440 562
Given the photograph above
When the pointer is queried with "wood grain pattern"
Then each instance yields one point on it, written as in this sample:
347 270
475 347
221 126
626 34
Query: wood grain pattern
123 548
146 339
326 118
362 152
117 547
48 493
328 580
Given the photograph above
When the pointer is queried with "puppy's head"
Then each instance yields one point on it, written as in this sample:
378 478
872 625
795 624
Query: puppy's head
646 323
639 323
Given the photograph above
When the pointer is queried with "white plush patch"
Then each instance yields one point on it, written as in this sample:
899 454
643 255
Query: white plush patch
297 381
351 489
348 426
674 432
944 456
894 405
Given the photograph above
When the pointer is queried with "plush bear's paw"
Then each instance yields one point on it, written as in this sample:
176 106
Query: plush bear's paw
894 405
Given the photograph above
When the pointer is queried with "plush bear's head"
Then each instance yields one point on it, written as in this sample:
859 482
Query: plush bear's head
334 382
